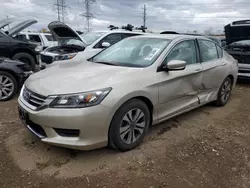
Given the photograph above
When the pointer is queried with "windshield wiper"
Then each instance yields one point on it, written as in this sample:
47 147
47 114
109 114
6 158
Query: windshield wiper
105 63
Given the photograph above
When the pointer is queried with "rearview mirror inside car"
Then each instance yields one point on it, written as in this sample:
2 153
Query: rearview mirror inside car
105 44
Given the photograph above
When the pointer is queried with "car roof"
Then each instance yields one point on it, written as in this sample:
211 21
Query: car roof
119 31
34 33
171 36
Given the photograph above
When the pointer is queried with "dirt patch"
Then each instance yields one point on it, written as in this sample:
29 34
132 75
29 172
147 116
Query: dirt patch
208 147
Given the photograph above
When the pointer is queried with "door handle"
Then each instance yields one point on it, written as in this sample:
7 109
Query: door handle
198 70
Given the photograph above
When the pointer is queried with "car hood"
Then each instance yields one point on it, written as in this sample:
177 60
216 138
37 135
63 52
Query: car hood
21 26
237 31
63 32
5 22
66 78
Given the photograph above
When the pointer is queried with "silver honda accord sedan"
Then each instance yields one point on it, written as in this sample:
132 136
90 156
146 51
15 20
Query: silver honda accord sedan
112 99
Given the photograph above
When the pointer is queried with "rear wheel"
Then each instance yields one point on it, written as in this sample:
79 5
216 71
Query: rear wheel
26 58
129 125
224 92
8 86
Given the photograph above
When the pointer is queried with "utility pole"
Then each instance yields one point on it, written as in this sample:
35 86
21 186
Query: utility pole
61 9
144 16
87 13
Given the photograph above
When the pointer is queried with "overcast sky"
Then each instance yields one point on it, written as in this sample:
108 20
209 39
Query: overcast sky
178 15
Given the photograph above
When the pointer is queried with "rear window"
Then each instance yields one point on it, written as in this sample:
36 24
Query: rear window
50 38
208 50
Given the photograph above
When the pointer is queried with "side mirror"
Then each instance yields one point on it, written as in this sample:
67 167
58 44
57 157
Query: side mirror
105 44
174 65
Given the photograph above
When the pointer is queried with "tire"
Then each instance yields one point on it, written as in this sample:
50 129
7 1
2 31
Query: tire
26 58
14 88
121 127
224 93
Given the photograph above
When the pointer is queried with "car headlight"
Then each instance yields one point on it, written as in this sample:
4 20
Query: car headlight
39 48
80 100
65 57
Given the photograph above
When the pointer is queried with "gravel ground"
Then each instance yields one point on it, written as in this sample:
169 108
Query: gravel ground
208 147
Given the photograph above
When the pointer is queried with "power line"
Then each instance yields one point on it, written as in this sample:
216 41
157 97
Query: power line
61 10
87 13
144 16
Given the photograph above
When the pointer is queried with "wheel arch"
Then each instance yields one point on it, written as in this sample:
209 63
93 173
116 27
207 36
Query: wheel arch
231 77
143 96
24 50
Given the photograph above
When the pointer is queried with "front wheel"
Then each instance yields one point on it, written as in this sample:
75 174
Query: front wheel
8 86
26 58
224 92
129 125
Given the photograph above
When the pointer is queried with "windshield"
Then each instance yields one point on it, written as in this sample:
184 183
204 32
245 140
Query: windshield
242 42
90 38
133 52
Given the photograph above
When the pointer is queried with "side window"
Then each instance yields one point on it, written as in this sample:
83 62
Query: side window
21 37
220 51
208 50
35 38
126 35
111 39
185 51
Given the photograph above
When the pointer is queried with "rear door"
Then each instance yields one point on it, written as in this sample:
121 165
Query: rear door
213 66
178 90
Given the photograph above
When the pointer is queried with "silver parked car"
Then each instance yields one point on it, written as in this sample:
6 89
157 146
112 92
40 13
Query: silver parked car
114 97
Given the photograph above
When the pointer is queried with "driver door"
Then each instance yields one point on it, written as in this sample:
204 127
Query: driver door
178 90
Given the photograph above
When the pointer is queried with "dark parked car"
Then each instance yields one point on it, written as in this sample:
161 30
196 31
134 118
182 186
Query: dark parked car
238 45
13 48
12 76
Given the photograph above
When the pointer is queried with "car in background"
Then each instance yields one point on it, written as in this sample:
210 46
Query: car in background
113 97
13 48
238 45
75 47
215 39
12 76
43 39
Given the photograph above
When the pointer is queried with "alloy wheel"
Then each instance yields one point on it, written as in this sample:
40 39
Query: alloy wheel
226 91
6 87
132 126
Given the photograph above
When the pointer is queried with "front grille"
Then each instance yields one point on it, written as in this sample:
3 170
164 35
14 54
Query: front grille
46 59
244 59
244 71
33 98
67 132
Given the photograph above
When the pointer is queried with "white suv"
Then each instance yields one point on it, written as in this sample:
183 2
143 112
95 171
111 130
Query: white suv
75 47
43 39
